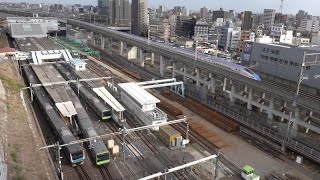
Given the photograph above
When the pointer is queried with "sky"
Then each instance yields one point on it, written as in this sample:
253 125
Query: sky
290 6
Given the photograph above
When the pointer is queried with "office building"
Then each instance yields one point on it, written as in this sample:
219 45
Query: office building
204 14
139 15
219 14
268 18
103 6
201 32
119 13
247 21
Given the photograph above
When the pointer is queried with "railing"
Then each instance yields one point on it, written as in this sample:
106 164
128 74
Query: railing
256 126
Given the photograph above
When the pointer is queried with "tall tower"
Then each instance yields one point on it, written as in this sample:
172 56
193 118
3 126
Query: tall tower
139 15
281 7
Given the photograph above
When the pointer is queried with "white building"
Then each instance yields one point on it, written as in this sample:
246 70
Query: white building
310 25
286 37
264 39
316 38
234 39
201 32
300 41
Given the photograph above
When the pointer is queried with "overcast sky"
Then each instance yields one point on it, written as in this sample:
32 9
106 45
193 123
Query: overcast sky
291 6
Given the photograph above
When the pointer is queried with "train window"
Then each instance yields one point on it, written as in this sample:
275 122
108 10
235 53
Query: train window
291 63
102 157
308 67
249 70
285 62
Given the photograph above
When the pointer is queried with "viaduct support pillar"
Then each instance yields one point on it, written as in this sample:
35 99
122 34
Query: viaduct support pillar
141 57
232 92
121 48
185 73
173 69
294 123
152 59
271 107
110 45
249 105
161 66
102 39
198 75
212 83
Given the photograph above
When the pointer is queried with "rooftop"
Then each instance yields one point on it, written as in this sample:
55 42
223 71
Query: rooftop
78 62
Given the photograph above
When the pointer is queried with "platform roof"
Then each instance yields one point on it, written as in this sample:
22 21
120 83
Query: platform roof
139 94
27 30
109 99
66 109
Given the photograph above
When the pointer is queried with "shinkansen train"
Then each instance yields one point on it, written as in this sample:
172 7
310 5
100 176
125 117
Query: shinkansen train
213 61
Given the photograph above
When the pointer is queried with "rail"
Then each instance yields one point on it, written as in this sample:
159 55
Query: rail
292 144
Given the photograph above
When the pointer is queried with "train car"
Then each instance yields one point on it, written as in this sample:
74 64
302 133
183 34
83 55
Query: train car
74 152
101 109
98 149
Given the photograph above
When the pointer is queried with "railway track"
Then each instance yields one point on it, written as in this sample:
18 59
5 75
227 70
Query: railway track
83 175
105 173
205 144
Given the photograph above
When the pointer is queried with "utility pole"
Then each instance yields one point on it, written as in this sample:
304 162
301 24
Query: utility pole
218 36
196 50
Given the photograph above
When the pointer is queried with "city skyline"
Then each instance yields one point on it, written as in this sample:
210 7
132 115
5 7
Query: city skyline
290 6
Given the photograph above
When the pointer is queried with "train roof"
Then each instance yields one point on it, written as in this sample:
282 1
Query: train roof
109 99
136 92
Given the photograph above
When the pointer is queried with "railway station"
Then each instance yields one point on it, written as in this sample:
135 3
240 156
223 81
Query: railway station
122 107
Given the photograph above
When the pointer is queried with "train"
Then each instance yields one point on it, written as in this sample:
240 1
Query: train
217 62
101 109
75 152
98 149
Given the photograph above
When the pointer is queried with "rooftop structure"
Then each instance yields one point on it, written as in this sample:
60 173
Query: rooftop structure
27 30
78 64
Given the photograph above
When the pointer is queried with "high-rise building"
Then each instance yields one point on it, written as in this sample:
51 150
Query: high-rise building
268 18
219 14
139 15
204 13
247 21
103 6
119 12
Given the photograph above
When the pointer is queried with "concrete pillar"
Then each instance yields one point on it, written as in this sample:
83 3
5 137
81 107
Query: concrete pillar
161 66
212 83
141 57
173 69
121 48
198 75
232 92
271 107
133 53
294 124
110 44
152 59
249 105
245 88
184 73
102 39
224 84
94 41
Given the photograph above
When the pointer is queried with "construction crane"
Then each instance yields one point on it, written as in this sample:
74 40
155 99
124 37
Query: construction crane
281 7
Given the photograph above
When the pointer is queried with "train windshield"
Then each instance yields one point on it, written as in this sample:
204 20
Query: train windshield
106 113
77 155
103 157
249 70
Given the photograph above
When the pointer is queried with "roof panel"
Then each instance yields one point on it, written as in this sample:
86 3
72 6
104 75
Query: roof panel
139 94
109 99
